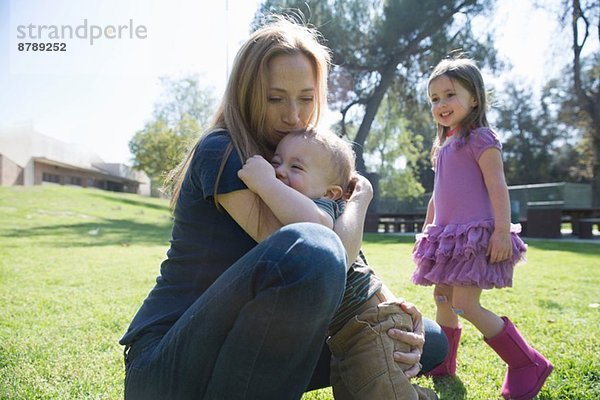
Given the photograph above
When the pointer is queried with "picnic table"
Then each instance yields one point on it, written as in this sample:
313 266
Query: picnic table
400 222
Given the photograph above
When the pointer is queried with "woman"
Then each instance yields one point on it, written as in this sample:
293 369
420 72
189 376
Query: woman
242 304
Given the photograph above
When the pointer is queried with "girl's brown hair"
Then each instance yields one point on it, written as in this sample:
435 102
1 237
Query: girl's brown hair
465 72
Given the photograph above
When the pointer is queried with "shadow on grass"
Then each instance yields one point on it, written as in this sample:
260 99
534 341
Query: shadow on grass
382 238
106 232
550 305
450 387
132 202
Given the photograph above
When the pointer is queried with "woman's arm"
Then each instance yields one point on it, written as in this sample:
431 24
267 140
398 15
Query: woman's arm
500 246
250 213
349 226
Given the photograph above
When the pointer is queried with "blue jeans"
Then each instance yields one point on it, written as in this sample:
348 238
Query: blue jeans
256 333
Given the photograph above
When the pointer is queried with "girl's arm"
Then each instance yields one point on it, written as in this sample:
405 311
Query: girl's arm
430 211
286 203
349 226
500 246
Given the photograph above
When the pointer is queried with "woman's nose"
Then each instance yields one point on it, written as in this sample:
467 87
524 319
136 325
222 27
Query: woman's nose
292 115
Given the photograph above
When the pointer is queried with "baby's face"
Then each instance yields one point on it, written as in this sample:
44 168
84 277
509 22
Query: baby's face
303 165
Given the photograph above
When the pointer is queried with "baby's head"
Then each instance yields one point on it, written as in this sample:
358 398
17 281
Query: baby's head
317 163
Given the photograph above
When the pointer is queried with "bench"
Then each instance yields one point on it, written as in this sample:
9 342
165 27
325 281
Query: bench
543 222
391 224
586 227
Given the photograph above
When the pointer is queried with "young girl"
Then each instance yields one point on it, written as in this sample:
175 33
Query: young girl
468 243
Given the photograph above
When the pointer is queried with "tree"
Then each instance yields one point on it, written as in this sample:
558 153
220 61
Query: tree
178 118
578 91
375 43
574 159
530 137
585 15
394 152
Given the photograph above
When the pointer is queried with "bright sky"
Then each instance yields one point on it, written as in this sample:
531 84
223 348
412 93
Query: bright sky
98 95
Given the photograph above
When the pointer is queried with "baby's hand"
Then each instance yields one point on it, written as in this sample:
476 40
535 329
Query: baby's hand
256 172
499 247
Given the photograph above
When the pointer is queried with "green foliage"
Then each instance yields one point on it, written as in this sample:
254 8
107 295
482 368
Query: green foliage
530 138
576 157
75 265
394 152
178 120
157 148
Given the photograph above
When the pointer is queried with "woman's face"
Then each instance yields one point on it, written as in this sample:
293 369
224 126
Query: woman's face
291 95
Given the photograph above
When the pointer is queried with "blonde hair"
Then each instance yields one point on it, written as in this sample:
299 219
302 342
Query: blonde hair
465 72
341 154
242 111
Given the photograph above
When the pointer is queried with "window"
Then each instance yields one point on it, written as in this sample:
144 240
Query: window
73 180
46 177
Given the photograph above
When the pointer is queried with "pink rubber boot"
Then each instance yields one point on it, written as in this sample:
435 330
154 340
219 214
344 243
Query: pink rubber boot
448 366
527 369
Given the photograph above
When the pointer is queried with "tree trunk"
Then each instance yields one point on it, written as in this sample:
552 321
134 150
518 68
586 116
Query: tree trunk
372 105
590 102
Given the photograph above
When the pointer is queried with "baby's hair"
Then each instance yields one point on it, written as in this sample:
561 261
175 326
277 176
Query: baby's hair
465 72
343 159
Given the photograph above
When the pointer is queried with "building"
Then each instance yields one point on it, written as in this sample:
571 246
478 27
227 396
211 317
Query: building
31 158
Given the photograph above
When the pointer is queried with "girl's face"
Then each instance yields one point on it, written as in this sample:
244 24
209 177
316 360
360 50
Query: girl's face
450 101
303 165
291 95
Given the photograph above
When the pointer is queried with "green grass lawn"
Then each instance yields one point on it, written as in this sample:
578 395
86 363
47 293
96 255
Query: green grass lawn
76 263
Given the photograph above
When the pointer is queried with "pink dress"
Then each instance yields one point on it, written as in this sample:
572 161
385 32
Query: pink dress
452 249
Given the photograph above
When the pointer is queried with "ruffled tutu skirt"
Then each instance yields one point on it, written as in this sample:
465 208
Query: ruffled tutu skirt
454 255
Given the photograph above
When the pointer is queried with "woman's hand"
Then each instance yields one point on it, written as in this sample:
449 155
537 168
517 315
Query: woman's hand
359 189
416 340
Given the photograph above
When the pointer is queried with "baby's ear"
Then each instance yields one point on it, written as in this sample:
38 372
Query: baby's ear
334 192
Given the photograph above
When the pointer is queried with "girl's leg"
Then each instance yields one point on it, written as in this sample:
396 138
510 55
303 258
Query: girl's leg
257 331
451 328
527 369
465 302
445 316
